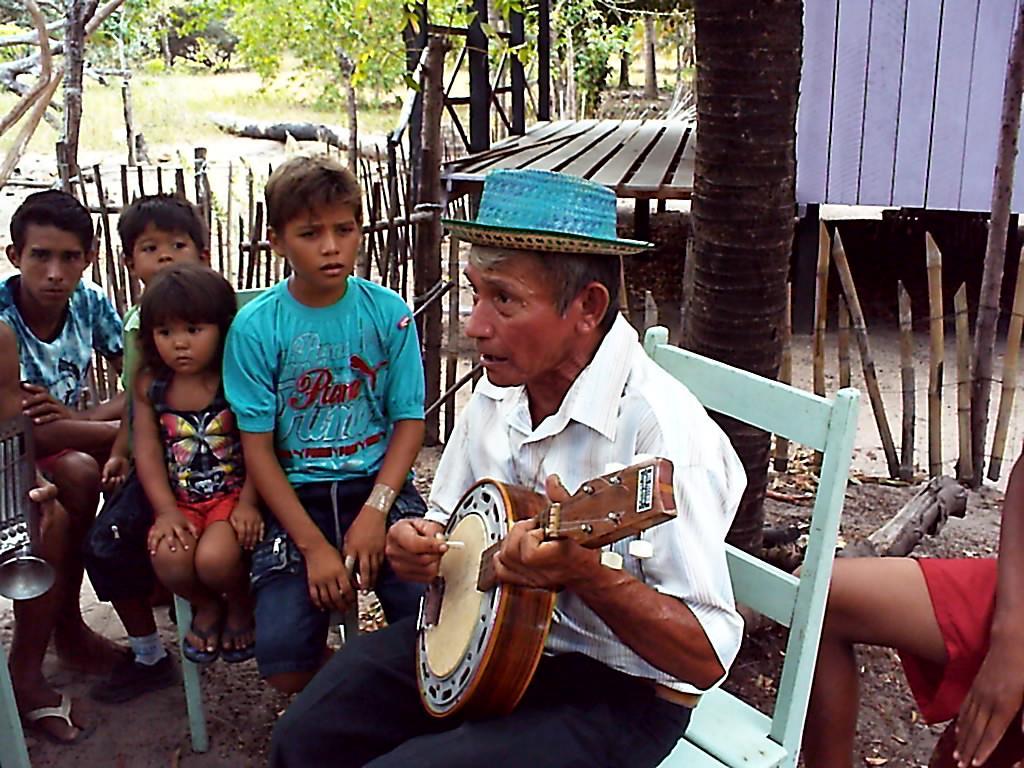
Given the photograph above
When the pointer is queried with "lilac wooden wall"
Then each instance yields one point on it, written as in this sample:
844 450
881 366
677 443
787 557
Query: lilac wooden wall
900 102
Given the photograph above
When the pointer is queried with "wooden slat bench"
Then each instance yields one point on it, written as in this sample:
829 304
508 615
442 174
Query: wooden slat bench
724 730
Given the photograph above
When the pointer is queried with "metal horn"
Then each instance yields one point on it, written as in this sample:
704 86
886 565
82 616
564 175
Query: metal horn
23 575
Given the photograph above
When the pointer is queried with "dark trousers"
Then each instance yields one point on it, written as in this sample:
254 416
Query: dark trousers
363 708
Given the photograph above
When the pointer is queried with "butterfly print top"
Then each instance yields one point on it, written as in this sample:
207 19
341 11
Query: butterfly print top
203 449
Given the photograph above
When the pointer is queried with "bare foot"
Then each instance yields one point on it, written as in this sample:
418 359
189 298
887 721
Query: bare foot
239 628
52 714
82 650
204 634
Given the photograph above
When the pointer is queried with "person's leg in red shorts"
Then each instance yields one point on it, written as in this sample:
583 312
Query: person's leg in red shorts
221 567
875 601
211 574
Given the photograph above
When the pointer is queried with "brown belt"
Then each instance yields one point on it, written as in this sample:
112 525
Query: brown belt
680 698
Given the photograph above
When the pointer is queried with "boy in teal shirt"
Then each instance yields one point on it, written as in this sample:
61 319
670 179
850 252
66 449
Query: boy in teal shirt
324 375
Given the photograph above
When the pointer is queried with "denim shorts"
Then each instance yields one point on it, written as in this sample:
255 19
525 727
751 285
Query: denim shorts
290 631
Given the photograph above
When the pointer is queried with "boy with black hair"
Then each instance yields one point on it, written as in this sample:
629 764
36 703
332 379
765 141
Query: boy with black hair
324 375
56 321
156 232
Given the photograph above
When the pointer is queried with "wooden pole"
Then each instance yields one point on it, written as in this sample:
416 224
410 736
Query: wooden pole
964 467
452 361
781 455
650 310
820 312
428 240
843 342
202 184
995 250
907 378
1011 362
229 268
867 361
935 357
74 62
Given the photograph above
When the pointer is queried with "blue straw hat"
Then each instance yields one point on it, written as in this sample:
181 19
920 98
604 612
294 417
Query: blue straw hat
545 211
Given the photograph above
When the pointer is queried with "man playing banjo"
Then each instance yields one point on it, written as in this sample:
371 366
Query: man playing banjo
639 629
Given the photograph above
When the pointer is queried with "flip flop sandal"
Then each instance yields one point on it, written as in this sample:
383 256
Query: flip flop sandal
201 655
61 711
236 655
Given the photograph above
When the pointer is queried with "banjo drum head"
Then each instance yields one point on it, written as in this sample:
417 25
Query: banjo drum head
449 653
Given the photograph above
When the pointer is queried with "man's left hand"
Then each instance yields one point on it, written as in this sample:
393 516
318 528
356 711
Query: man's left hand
526 559
42 407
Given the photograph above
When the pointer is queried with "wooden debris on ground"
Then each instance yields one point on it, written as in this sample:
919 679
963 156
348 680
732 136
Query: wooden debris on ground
924 515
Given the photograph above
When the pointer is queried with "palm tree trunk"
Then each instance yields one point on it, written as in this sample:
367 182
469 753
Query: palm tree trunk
748 74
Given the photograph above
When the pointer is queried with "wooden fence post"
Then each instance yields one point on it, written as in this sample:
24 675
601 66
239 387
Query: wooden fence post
866 360
428 241
1010 368
781 454
935 321
907 381
964 466
820 310
843 342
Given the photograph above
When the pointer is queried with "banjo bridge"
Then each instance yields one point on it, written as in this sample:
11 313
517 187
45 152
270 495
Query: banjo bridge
430 609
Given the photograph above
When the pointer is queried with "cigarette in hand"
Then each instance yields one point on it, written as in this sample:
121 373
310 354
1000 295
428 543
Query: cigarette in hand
452 544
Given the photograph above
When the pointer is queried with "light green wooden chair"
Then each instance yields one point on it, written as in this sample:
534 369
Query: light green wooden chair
724 730
13 752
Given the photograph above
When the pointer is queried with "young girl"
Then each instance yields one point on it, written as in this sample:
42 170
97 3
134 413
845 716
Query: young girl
188 457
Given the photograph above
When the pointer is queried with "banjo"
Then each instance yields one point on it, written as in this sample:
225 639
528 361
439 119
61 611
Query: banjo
480 641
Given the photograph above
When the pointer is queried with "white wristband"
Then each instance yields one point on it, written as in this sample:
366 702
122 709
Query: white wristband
381 497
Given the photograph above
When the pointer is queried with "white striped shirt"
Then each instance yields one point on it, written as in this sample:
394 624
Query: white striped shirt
621 407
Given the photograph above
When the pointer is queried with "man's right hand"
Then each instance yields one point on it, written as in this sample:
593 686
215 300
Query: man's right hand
42 407
414 549
330 584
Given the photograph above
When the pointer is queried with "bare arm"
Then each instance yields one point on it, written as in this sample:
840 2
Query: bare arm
94 437
149 454
272 484
997 692
327 577
1008 622
403 448
109 410
365 538
661 629
10 389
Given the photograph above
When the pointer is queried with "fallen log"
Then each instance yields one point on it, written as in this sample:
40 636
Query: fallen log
251 129
924 515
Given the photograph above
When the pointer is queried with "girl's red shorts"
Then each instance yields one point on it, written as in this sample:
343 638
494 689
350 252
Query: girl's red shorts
204 513
963 595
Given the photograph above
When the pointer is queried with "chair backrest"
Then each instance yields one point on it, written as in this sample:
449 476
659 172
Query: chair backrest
825 425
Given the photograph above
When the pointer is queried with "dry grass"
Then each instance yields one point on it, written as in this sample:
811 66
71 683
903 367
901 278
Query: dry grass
173 108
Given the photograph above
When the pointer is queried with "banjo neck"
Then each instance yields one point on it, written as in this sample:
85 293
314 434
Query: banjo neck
608 508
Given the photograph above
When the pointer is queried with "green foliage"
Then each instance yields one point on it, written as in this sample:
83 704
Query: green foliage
597 34
320 33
